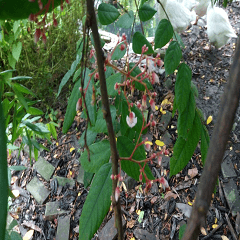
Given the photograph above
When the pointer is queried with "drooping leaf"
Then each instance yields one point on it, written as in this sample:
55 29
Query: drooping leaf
111 81
146 12
163 34
125 148
21 98
99 155
107 13
185 118
3 174
118 53
172 57
69 74
16 50
20 78
34 111
71 108
126 20
138 41
97 203
21 9
204 143
183 86
23 89
184 149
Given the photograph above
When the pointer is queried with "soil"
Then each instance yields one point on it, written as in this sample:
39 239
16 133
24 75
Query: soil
162 214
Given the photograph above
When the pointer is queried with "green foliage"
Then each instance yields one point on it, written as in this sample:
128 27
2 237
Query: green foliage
97 203
126 20
118 53
107 13
182 230
146 12
138 41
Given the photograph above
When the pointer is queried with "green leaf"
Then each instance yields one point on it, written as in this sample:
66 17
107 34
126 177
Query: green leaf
71 108
21 98
163 34
91 136
183 86
184 149
23 89
125 148
100 125
87 178
99 155
194 89
107 13
146 12
11 60
3 175
172 57
126 20
52 129
15 236
69 74
118 53
19 78
77 74
111 81
204 143
34 127
97 203
34 111
185 119
16 50
139 41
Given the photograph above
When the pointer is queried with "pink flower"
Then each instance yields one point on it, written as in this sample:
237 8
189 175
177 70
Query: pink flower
144 48
144 101
152 104
131 120
148 147
122 47
159 62
79 104
116 86
155 78
153 123
159 160
117 194
124 37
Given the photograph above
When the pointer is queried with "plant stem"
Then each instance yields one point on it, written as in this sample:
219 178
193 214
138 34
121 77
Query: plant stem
91 18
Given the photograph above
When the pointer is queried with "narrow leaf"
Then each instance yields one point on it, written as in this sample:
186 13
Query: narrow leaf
97 203
107 13
20 98
146 12
163 34
183 86
34 111
99 155
138 41
204 143
172 57
184 149
52 129
23 89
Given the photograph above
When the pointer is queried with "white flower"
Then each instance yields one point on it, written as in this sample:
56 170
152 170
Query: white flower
131 120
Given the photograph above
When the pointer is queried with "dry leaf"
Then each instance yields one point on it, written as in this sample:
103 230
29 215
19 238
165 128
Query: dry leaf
203 231
193 172
28 235
169 195
159 143
224 237
209 120
214 225
131 224
154 199
148 142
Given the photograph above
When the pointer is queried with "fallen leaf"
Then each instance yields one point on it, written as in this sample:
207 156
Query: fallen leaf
214 225
15 193
131 224
169 195
148 142
203 231
156 108
71 149
162 111
159 143
209 120
193 172
28 235
154 199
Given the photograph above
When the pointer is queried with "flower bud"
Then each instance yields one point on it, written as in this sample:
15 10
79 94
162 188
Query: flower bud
117 194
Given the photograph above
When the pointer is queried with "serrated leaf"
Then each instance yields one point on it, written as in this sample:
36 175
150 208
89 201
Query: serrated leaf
204 143
164 33
183 86
111 81
118 53
172 57
139 41
97 203
23 89
107 13
184 149
125 148
3 174
146 12
185 118
99 155
71 108
126 20
69 74
16 50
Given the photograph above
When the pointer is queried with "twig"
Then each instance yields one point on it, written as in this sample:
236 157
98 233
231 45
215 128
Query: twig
231 227
213 231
